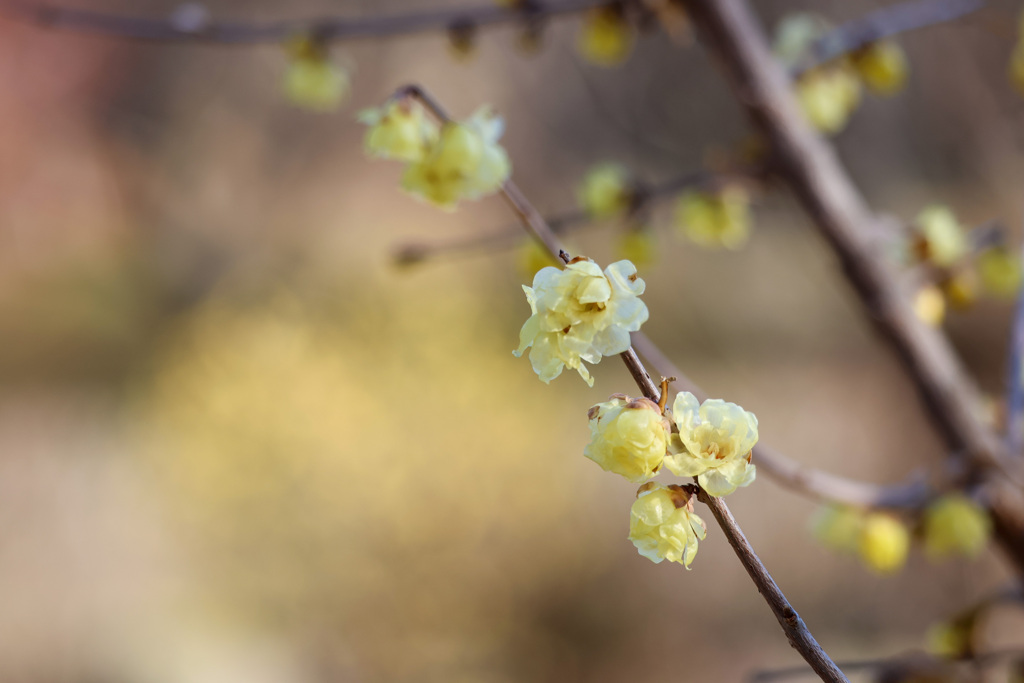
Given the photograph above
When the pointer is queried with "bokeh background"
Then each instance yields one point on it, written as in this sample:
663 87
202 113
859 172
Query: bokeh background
237 443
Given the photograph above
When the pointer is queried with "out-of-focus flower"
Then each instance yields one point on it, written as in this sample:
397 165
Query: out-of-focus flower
882 65
795 34
466 162
938 236
462 40
606 190
580 314
828 96
1017 66
606 38
1000 271
929 305
638 245
884 542
950 639
961 288
628 436
399 130
713 444
838 527
312 80
663 526
956 524
715 219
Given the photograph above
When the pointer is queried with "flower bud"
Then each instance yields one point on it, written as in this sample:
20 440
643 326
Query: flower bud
884 543
930 306
838 527
606 190
628 436
715 219
939 237
883 66
606 38
1000 272
956 524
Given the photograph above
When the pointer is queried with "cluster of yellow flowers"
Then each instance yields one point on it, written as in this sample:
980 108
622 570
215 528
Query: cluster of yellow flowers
312 80
711 441
831 92
580 314
446 164
952 524
939 241
713 218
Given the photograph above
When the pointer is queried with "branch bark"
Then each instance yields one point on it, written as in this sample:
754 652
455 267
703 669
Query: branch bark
810 167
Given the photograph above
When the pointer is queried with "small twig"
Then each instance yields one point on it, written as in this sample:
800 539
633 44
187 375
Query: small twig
326 29
913 662
797 633
883 23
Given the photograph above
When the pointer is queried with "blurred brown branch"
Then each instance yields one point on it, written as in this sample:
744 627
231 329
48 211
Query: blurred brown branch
192 23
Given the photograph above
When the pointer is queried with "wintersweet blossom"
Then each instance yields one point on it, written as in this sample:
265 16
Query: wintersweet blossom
838 527
713 444
929 305
884 542
312 80
628 436
466 162
580 314
1000 271
883 66
663 526
715 219
956 524
939 238
399 130
606 190
606 38
828 96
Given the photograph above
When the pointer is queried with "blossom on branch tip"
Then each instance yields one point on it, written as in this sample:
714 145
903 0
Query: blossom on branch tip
882 65
715 219
312 80
884 542
956 524
828 96
628 436
606 190
606 38
399 130
714 443
580 314
939 238
466 162
663 526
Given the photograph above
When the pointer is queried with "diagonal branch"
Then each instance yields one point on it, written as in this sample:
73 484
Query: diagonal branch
812 171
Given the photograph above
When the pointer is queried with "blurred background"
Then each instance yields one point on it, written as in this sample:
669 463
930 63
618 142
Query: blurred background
238 443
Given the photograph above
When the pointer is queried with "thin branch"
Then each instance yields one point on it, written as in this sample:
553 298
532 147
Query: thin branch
198 28
811 169
883 23
911 663
796 631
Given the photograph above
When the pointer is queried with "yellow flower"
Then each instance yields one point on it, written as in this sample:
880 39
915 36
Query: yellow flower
1000 271
580 314
316 84
883 66
884 542
628 436
939 238
399 130
638 246
606 38
466 162
956 524
838 527
961 288
828 96
713 443
929 305
715 219
795 34
662 524
606 190
950 639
